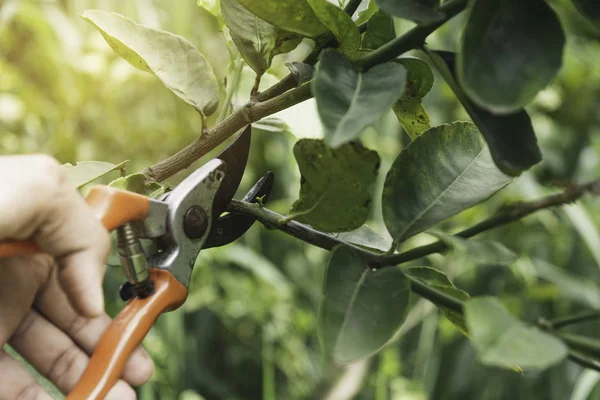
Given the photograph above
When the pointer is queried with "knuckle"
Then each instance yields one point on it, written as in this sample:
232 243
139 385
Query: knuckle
24 326
64 365
77 325
31 391
121 391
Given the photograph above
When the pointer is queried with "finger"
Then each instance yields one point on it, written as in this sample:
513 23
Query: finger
20 280
53 353
16 382
86 332
44 206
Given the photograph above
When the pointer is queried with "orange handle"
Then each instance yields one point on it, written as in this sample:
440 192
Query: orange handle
123 335
113 207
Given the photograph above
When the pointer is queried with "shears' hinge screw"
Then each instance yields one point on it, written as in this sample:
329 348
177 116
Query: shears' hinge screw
133 261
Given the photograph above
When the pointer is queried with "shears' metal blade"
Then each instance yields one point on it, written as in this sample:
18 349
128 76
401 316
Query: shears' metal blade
231 227
235 156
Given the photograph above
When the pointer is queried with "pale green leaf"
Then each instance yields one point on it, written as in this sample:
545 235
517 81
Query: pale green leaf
366 14
337 185
364 237
506 57
443 172
171 58
349 101
212 6
339 23
257 40
502 340
412 116
423 12
361 309
291 15
137 183
85 172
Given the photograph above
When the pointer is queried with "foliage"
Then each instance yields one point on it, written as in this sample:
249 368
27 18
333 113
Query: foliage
386 146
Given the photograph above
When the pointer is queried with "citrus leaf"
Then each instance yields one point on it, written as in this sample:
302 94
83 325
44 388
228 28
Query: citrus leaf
291 15
349 101
171 58
380 30
339 23
502 340
437 280
479 251
212 6
301 72
85 172
443 172
507 57
589 9
367 13
364 237
510 137
337 185
361 309
423 12
412 116
137 183
257 40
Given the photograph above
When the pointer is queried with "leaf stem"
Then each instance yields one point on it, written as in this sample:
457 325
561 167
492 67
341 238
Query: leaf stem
412 39
231 88
562 322
584 361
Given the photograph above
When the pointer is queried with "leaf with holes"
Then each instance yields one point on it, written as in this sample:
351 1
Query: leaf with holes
502 340
443 172
171 58
291 15
337 185
506 57
349 101
257 40
361 309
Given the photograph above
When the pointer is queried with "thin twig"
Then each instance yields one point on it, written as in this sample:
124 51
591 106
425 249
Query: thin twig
569 320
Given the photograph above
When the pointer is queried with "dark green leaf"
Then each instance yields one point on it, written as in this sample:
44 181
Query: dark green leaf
590 9
510 137
137 183
339 23
365 237
437 280
291 15
409 110
380 30
366 14
171 58
301 72
423 12
85 172
257 40
479 251
337 185
507 55
502 340
361 309
348 100
443 172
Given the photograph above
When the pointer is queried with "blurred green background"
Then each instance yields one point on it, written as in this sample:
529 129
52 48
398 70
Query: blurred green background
248 329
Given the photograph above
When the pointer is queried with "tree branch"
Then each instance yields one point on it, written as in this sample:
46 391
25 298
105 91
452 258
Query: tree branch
249 113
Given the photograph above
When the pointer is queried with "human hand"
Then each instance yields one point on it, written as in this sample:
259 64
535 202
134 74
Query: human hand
51 305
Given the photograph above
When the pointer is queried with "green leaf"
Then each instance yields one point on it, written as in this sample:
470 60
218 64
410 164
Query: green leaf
291 15
423 12
479 251
212 6
502 340
443 172
361 309
339 23
380 30
589 9
85 172
510 137
364 237
437 280
349 101
507 56
366 14
171 58
409 110
137 183
271 124
301 72
257 40
337 185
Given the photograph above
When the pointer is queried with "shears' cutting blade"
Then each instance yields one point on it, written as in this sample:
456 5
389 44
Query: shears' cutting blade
236 157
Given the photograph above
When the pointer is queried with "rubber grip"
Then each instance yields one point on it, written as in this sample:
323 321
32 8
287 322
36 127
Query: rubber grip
113 207
124 334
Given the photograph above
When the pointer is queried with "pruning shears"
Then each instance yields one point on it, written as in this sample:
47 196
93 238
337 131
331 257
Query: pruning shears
180 224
